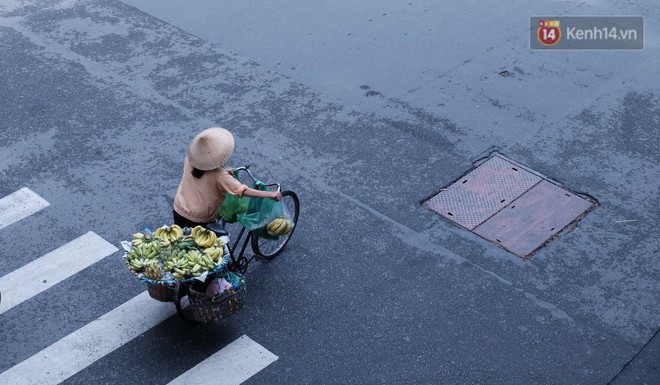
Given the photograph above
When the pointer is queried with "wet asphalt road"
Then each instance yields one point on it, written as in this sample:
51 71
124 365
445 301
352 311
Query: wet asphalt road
364 110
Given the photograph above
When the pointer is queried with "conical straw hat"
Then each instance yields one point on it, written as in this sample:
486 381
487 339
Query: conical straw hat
211 149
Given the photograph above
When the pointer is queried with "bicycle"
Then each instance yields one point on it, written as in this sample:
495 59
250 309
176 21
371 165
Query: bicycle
190 300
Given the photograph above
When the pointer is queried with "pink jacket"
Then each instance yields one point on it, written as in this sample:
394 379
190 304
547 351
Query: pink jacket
200 199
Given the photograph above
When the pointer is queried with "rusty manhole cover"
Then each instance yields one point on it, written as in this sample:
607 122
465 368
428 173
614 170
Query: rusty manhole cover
509 205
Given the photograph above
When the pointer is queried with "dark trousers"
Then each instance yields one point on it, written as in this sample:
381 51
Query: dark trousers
185 222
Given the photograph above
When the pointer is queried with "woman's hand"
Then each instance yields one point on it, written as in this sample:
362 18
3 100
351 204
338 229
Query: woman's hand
276 195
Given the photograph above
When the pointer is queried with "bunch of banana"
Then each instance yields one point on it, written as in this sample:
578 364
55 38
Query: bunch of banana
279 226
167 253
178 266
203 237
199 262
136 264
206 262
169 233
141 263
140 238
192 258
194 263
164 243
215 253
153 271
144 250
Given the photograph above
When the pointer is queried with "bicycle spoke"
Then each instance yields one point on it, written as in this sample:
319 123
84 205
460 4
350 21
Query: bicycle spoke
267 248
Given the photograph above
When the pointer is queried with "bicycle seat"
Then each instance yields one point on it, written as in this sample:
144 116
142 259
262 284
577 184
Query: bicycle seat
218 227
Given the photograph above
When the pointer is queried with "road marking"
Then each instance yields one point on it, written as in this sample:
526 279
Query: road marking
232 365
19 205
52 268
93 341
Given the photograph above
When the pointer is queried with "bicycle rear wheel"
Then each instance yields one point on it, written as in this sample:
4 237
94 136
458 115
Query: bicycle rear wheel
268 249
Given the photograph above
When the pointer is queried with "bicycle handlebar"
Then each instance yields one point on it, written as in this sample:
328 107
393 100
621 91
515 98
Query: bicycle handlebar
246 168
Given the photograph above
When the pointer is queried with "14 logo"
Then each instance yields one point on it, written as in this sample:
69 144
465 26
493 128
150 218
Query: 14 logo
548 32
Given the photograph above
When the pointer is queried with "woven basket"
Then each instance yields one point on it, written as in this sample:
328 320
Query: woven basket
205 309
161 292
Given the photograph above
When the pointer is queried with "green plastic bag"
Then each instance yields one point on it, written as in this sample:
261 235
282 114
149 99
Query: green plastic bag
233 206
260 211
253 213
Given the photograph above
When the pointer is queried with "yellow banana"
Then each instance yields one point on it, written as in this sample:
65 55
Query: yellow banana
208 262
199 229
212 239
289 227
201 238
178 231
214 236
160 232
211 252
281 223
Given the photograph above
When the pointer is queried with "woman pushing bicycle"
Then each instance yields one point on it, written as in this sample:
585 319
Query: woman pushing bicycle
205 181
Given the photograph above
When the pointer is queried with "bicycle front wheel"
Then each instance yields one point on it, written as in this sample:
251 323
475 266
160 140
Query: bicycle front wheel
268 249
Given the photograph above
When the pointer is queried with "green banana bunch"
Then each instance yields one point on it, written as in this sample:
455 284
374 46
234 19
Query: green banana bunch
193 258
164 243
144 250
140 264
138 238
205 261
178 265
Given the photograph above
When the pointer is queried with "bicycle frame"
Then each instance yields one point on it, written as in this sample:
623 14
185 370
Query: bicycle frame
238 262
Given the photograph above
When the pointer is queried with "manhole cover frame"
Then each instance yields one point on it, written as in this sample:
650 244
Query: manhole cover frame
593 202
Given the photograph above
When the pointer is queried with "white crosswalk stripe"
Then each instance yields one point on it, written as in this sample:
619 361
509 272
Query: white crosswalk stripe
234 364
86 345
51 269
19 205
